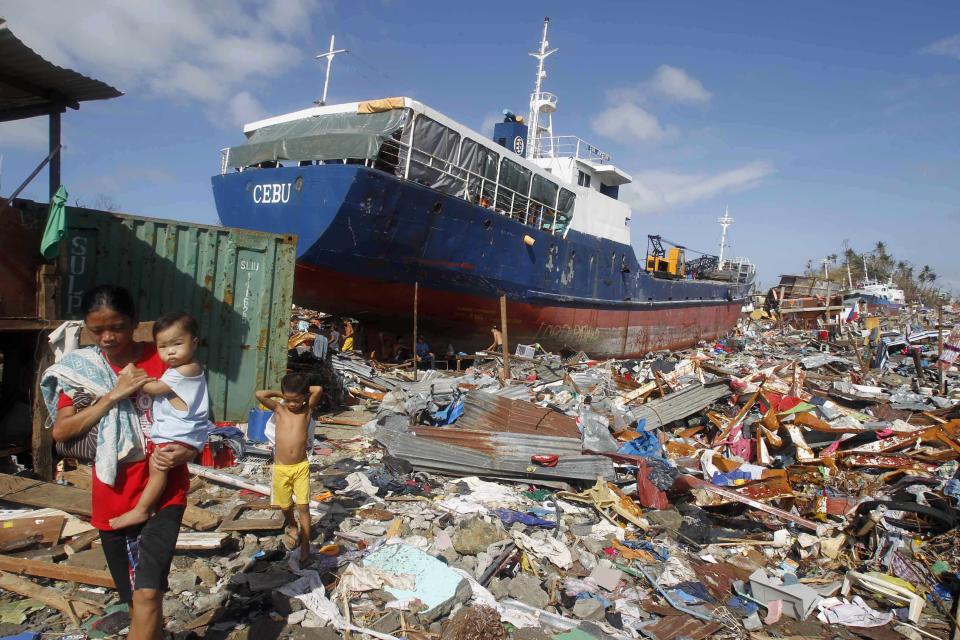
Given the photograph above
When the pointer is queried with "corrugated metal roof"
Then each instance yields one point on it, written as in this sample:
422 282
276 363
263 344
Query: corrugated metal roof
486 412
679 405
29 84
503 455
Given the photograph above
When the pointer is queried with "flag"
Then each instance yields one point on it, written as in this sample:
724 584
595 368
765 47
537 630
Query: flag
56 225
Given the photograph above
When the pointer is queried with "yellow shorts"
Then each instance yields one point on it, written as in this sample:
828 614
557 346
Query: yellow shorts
289 481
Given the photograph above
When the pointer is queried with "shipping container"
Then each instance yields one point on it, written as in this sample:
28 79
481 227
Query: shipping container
237 283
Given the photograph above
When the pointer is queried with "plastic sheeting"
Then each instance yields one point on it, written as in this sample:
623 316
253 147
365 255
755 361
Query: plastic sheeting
434 157
332 136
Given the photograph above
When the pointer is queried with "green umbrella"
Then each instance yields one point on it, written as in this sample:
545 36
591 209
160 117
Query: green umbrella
56 225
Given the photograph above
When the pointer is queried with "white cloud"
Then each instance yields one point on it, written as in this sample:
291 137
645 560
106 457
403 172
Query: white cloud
631 122
191 50
628 115
659 191
244 108
29 134
946 47
676 85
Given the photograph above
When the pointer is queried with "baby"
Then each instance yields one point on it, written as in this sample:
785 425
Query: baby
181 407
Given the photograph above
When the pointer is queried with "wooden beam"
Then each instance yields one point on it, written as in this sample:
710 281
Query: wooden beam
503 333
37 493
81 542
74 609
200 519
53 571
41 437
47 530
201 541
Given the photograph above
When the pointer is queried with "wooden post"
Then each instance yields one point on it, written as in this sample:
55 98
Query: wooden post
942 380
416 292
41 441
503 331
826 308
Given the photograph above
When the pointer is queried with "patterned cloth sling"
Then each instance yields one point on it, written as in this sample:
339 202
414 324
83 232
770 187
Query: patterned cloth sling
84 373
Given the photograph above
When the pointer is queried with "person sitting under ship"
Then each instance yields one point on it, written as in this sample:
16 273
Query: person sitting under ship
497 340
425 357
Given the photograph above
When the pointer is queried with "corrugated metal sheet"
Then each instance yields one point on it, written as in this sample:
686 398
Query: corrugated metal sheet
28 80
486 412
237 283
679 405
506 455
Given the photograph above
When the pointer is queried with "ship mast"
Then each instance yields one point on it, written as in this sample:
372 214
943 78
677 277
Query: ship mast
539 101
725 222
329 56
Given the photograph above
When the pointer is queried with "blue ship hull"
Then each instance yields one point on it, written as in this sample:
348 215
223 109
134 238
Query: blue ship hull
365 238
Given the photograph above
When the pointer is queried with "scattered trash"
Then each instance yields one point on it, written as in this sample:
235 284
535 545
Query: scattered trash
775 480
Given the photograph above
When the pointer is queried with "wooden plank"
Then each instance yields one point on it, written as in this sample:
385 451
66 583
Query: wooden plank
74 526
187 541
200 519
57 571
79 477
36 493
12 484
75 610
81 542
46 530
55 553
41 437
233 521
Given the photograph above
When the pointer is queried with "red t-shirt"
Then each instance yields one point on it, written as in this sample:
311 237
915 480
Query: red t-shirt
110 502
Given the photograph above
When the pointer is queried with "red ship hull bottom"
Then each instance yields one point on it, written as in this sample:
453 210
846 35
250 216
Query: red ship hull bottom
465 321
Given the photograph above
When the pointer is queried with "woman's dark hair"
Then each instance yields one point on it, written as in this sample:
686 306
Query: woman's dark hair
294 383
108 296
185 320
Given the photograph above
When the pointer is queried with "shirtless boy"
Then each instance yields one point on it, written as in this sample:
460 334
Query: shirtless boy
292 406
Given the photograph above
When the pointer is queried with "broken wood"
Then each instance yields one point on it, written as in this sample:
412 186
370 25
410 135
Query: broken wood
81 542
235 522
37 493
199 519
43 569
46 530
201 541
73 608
347 422
19 543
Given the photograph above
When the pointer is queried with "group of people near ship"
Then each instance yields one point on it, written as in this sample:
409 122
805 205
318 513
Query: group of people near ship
140 412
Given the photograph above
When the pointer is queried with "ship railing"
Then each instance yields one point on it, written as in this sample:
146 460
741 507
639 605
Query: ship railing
570 147
481 189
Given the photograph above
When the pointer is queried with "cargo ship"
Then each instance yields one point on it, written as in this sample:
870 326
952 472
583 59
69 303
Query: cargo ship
389 195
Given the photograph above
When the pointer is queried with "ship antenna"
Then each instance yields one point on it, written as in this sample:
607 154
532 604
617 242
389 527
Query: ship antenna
540 101
725 222
326 81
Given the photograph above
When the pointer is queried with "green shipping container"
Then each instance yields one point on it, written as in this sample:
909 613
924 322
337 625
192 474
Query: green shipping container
237 283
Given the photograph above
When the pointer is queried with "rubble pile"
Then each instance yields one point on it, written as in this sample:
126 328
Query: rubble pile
776 483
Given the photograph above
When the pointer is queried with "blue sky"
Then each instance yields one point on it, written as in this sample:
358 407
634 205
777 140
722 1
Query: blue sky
815 122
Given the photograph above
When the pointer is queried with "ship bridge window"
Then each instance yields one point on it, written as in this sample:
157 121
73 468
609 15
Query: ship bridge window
543 198
583 179
480 165
433 157
513 190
